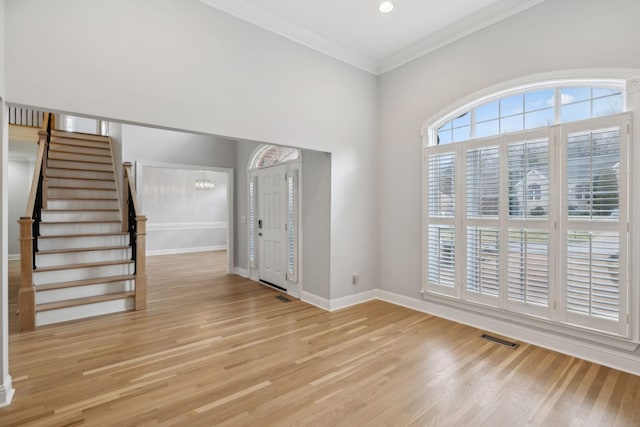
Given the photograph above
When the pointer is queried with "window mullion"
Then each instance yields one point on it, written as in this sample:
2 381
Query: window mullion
460 221
503 222
558 223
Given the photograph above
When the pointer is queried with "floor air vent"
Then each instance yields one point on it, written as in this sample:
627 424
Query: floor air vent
499 341
283 298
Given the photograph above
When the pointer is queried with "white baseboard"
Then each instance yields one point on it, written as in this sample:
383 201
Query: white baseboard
14 257
186 250
338 303
241 272
349 300
314 299
573 347
6 392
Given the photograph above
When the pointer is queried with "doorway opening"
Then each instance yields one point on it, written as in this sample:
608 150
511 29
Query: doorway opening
191 208
273 217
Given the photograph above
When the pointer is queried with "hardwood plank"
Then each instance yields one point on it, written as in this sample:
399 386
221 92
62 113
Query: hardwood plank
218 349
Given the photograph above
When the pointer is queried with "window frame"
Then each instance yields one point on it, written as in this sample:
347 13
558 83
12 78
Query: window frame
429 139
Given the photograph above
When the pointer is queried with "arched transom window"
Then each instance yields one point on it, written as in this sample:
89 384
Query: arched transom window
270 155
533 109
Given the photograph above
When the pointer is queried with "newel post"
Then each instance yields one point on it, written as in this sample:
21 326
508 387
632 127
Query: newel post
141 263
27 293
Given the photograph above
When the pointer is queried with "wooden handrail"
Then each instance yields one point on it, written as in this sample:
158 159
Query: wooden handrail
136 225
42 146
131 188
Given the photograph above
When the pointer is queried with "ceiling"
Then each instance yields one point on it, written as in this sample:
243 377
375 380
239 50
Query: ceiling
354 32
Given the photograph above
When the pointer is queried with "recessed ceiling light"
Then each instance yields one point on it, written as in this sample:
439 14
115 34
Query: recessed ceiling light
385 7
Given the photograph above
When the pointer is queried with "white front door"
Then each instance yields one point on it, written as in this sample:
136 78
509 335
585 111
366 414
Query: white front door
272 219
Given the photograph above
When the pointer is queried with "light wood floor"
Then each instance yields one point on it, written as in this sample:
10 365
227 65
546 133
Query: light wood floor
215 349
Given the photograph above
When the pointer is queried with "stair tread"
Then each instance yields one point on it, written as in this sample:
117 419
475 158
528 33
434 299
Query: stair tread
57 236
76 283
79 135
78 179
85 143
75 187
77 168
80 210
89 249
82 222
57 149
96 161
82 265
79 198
83 301
77 143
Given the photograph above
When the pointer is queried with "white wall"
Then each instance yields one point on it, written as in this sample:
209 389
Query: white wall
6 389
20 176
184 65
316 209
2 50
556 35
77 124
159 145
180 218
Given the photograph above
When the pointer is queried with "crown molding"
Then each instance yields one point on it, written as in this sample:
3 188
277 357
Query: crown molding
482 19
497 12
293 32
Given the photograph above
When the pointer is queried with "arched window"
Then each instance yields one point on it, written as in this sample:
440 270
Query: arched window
542 106
526 204
270 155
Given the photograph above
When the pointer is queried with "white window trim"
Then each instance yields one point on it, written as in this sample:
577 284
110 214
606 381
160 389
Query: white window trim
632 104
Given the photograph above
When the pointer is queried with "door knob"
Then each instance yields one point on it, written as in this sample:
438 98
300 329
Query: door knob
259 234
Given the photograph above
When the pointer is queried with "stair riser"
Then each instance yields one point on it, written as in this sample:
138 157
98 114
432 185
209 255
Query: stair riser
59 276
82 204
55 295
77 192
81 216
50 260
81 242
80 183
77 228
64 164
82 311
77 149
57 155
68 173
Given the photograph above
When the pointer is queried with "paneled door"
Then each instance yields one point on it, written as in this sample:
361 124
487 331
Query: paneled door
272 220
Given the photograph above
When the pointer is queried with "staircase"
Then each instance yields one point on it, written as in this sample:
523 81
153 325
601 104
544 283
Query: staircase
84 255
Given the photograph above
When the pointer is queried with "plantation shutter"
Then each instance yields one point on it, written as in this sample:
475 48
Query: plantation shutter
527 258
595 238
292 226
440 238
482 178
252 222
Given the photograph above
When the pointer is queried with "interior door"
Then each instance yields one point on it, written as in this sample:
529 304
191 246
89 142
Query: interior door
272 217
